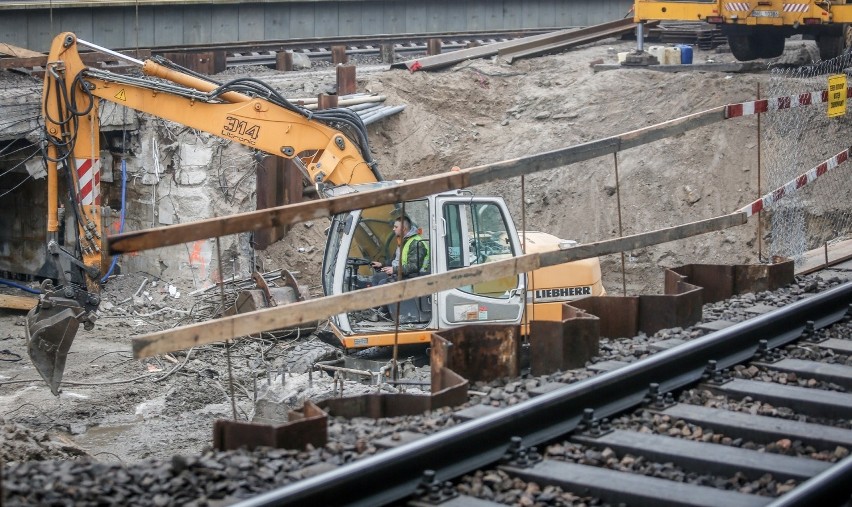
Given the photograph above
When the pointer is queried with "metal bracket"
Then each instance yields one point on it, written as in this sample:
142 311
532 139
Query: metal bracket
766 355
593 427
433 492
519 456
715 376
657 400
810 335
54 249
263 286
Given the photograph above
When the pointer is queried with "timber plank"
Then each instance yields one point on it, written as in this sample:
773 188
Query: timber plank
412 189
269 319
703 457
16 51
761 428
87 58
631 489
17 302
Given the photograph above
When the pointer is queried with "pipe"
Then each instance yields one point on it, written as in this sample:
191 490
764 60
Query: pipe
351 102
16 285
381 115
121 223
340 369
110 52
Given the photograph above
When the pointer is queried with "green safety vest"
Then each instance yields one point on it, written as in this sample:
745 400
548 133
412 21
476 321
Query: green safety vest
407 245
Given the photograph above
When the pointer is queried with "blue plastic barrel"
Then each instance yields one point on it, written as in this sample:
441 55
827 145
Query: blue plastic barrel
685 54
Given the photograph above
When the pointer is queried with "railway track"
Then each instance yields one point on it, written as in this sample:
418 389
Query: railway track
755 413
724 418
320 48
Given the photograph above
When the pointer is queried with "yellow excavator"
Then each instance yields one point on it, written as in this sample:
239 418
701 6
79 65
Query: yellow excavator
331 148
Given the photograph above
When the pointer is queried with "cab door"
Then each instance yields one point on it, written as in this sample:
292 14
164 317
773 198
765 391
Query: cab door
471 231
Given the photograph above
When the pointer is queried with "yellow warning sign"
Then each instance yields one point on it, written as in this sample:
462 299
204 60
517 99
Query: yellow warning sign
836 95
122 95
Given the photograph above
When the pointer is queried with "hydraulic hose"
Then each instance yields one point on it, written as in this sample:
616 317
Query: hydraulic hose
17 285
121 223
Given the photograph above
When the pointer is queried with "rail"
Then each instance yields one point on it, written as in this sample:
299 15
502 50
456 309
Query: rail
480 442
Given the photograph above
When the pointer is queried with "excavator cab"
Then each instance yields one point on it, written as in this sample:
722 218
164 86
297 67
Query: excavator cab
460 231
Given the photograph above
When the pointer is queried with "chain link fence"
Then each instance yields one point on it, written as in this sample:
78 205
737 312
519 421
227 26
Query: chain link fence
793 141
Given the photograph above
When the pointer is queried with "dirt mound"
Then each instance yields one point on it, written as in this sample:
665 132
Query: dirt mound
19 444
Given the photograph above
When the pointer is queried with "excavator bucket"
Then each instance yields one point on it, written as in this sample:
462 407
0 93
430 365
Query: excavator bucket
51 327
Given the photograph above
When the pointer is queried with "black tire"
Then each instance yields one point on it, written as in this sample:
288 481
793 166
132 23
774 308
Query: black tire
743 47
770 45
831 42
303 356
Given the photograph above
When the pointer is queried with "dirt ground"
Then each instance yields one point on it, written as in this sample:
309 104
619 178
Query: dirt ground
117 408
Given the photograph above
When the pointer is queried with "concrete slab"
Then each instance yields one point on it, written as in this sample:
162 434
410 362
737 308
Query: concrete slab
475 412
608 365
716 325
760 309
545 388
397 439
666 344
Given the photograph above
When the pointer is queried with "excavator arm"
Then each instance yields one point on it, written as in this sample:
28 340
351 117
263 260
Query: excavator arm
329 146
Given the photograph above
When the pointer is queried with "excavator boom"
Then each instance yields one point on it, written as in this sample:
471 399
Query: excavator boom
245 110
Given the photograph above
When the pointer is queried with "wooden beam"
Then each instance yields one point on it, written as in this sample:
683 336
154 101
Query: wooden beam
17 52
17 302
87 58
412 189
307 311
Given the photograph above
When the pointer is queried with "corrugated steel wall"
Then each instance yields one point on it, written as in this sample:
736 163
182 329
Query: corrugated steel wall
173 25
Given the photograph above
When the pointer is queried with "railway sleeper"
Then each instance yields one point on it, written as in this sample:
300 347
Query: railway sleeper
761 429
838 374
631 489
706 457
804 400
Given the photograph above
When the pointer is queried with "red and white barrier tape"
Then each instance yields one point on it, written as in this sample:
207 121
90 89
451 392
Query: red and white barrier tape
777 103
791 186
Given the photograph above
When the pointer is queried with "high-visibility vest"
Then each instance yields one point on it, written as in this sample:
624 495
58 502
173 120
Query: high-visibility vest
404 255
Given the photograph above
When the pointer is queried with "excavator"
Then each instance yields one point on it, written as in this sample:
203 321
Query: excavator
331 149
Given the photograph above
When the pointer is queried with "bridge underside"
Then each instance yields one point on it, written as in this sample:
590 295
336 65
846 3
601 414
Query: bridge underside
157 24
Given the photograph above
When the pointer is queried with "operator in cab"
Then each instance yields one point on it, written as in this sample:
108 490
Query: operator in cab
412 253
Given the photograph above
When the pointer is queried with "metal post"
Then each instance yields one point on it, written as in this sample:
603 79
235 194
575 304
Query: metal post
345 79
759 213
620 229
227 342
527 277
640 37
284 61
338 55
395 367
